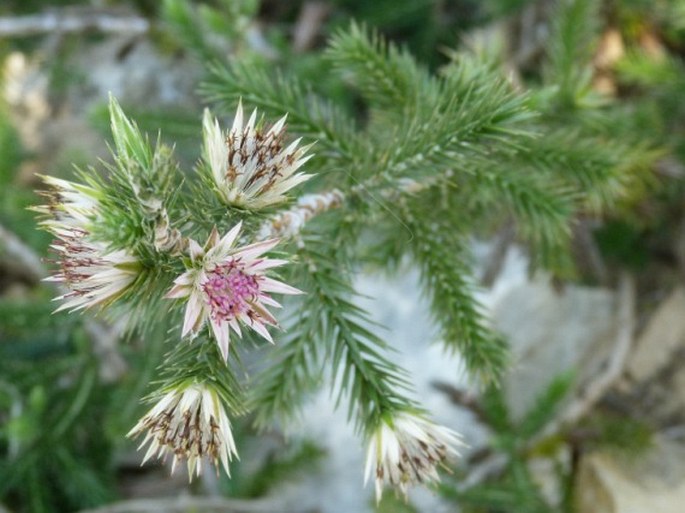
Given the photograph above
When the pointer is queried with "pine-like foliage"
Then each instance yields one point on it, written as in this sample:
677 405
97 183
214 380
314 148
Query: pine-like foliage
438 156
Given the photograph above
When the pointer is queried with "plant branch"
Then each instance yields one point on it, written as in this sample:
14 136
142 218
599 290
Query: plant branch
291 222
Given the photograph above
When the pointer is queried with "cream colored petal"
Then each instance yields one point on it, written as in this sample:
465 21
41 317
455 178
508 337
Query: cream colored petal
223 248
251 122
248 253
238 119
215 149
278 126
193 315
196 251
266 263
220 330
261 329
271 285
178 291
212 240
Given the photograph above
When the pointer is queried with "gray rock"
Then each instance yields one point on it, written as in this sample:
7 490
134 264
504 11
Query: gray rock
663 335
653 482
135 72
550 331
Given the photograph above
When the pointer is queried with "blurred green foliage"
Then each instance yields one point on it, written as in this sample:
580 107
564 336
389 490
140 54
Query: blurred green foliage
56 452
514 488
15 198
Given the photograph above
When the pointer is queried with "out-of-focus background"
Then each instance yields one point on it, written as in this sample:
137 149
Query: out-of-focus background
591 416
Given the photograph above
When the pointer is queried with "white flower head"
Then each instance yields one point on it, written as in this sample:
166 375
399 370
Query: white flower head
228 286
250 166
406 449
190 423
94 275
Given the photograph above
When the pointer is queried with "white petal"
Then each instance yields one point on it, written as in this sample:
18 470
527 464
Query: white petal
178 291
238 119
251 122
261 329
249 253
220 330
193 316
221 250
195 249
271 285
266 263
236 327
278 126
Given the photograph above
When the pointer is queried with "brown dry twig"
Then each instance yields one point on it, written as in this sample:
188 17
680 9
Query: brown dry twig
308 25
72 20
614 366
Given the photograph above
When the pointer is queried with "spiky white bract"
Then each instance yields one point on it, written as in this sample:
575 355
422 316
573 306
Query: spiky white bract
250 166
70 204
406 449
190 423
94 274
228 286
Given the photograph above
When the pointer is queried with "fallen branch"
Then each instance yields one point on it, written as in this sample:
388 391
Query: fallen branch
22 259
613 369
309 25
70 20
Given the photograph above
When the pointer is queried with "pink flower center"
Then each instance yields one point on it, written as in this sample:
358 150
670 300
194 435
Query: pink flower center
230 290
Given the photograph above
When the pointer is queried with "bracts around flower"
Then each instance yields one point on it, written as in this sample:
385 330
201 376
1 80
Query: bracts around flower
228 287
190 423
249 166
406 449
93 274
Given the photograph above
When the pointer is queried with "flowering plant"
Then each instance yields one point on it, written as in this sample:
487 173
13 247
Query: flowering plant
433 158
226 285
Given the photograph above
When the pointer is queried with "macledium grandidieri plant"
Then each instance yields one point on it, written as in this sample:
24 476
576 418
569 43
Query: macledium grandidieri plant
122 245
433 157
93 274
407 449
